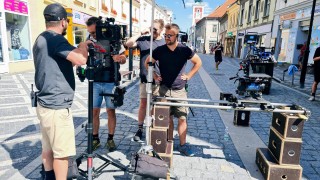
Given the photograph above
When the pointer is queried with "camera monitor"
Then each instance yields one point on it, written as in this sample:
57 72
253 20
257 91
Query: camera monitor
250 38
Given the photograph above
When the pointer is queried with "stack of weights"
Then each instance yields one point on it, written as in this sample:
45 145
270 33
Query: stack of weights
281 160
160 137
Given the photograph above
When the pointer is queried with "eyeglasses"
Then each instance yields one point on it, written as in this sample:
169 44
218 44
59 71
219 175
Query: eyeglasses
169 35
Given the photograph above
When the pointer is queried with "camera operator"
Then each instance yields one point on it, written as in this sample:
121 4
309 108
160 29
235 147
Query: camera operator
54 58
103 88
172 58
143 43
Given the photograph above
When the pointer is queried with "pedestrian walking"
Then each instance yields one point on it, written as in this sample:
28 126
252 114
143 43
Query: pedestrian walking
54 59
316 71
301 56
172 58
218 50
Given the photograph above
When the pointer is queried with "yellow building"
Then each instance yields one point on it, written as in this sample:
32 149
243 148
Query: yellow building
232 11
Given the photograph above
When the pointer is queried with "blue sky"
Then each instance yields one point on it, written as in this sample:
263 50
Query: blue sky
183 15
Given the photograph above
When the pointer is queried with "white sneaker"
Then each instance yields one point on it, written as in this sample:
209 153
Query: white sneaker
312 98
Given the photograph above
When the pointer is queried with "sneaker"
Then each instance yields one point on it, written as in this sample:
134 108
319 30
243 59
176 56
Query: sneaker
95 144
186 150
138 135
111 145
312 98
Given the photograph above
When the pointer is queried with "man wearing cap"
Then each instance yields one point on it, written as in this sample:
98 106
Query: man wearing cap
54 59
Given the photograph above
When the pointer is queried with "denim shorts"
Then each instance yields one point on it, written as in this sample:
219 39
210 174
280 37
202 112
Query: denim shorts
102 88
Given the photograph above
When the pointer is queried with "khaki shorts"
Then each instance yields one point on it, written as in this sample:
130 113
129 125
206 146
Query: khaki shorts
143 90
180 112
57 131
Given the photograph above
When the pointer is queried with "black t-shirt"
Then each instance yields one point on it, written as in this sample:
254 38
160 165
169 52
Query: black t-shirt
218 52
54 76
172 64
317 63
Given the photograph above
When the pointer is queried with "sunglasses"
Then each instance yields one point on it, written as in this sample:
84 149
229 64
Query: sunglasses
154 29
169 35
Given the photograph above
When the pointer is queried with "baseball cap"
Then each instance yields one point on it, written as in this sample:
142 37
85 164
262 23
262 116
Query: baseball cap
55 12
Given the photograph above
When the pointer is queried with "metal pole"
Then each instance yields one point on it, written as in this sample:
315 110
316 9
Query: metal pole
306 53
130 34
150 79
234 108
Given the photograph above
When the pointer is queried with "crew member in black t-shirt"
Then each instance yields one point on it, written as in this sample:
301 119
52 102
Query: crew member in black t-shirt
316 70
218 49
172 59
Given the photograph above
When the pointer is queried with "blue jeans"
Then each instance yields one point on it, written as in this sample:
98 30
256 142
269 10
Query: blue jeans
102 88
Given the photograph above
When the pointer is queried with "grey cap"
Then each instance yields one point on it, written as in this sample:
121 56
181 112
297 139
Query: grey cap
55 12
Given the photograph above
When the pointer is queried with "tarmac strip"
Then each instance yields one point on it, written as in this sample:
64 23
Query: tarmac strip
245 140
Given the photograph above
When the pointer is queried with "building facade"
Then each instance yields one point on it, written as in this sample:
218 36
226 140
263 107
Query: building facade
233 13
223 32
206 34
291 28
21 21
256 17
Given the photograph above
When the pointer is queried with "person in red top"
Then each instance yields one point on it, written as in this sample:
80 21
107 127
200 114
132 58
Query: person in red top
300 58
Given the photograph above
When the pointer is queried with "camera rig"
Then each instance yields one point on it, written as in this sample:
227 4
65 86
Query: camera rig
250 86
109 41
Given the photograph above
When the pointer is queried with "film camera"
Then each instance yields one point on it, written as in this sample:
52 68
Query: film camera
108 43
252 86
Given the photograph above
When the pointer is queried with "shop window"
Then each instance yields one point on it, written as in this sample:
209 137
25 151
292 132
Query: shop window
18 37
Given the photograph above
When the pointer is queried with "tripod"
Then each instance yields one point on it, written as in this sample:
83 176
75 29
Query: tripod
91 172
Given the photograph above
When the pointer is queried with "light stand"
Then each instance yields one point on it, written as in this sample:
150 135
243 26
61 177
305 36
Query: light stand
91 172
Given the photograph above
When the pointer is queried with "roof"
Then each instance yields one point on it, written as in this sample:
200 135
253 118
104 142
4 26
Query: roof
221 10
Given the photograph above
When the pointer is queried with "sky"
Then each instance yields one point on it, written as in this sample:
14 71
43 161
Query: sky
183 16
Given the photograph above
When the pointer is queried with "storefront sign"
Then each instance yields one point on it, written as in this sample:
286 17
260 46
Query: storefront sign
79 17
230 34
288 16
307 12
240 34
16 6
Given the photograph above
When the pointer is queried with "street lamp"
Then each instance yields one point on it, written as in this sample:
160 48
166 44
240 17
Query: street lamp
306 54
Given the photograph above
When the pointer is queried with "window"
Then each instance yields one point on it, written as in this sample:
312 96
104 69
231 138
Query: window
266 8
249 12
214 29
241 16
18 36
1 54
256 16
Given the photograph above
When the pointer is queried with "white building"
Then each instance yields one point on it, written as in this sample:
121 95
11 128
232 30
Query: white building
291 28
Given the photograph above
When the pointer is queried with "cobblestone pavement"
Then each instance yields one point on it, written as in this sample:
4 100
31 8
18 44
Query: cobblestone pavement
216 158
282 93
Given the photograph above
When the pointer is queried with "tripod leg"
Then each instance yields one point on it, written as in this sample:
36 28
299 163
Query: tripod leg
191 111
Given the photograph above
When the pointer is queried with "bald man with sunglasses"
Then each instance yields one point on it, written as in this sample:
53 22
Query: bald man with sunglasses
172 58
